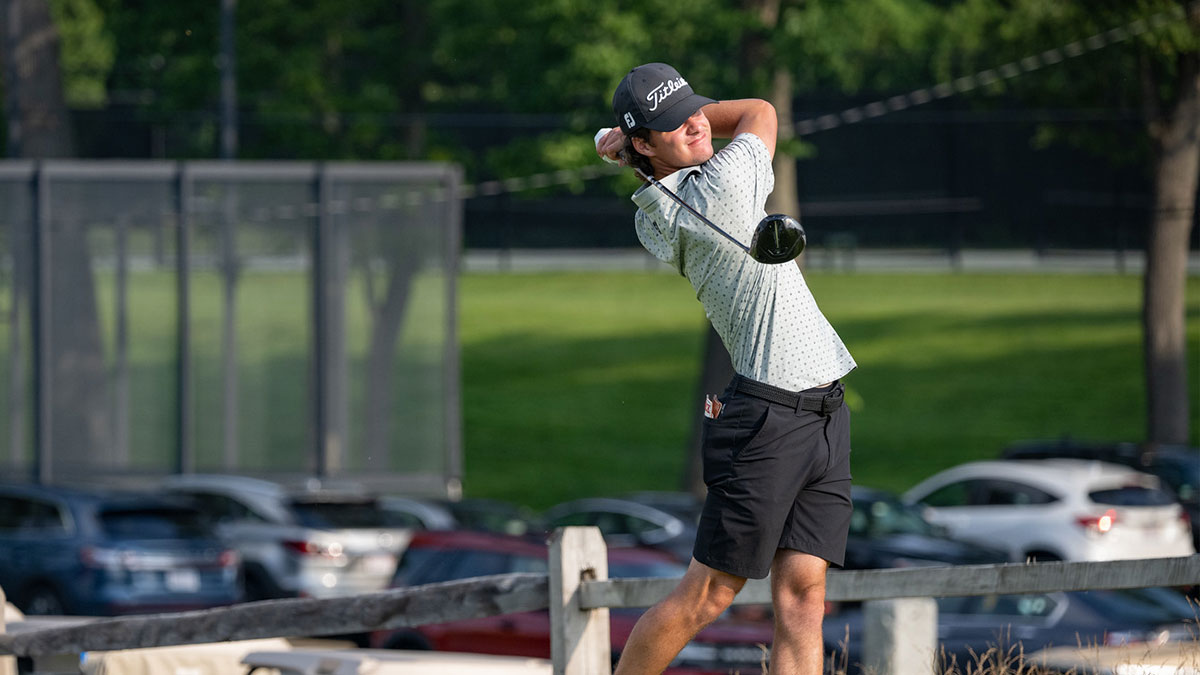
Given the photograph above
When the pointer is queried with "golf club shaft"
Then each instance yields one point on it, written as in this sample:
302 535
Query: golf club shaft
665 190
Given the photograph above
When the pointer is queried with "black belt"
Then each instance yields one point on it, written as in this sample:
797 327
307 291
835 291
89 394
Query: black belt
819 402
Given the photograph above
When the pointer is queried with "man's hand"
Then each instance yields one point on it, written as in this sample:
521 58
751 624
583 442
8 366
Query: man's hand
609 144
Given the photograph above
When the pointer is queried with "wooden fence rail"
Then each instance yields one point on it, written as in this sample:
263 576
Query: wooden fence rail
579 595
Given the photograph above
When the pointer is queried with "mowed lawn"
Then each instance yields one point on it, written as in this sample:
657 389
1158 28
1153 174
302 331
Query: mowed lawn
579 384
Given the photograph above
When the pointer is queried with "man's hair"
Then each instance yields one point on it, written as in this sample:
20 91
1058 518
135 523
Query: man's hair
635 158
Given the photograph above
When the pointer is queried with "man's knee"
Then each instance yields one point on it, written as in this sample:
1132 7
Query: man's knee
705 592
798 586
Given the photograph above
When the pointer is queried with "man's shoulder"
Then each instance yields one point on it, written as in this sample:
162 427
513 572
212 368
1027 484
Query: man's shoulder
744 158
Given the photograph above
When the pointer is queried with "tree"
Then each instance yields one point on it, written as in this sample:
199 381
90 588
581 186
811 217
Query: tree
1158 71
39 128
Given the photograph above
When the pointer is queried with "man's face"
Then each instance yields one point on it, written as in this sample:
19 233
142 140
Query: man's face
689 145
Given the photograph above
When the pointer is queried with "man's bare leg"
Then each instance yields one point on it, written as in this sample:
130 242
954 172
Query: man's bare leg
798 594
702 594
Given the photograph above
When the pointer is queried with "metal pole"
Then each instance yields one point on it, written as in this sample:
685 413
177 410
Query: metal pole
322 191
40 298
121 347
185 457
451 369
228 63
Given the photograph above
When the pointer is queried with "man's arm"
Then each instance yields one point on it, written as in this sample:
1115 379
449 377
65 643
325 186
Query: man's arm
730 118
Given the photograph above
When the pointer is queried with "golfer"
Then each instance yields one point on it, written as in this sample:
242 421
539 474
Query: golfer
776 443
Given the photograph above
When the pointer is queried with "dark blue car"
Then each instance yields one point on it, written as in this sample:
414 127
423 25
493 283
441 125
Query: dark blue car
1001 627
105 553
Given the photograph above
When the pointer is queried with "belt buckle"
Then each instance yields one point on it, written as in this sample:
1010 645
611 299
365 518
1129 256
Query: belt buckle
832 400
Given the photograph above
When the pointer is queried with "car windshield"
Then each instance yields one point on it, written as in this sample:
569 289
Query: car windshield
1181 473
1132 495
883 517
328 515
1150 605
152 524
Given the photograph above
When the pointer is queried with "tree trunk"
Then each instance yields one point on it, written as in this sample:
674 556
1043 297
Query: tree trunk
1176 138
79 414
387 318
786 196
33 83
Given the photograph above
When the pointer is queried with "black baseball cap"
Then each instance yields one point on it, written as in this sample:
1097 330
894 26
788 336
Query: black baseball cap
655 96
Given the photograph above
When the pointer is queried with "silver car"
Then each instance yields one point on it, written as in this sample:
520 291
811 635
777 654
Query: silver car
308 540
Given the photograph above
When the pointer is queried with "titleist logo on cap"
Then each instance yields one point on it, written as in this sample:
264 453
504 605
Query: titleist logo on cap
655 96
664 90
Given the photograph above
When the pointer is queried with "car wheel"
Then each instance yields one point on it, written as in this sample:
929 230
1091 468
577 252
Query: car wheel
43 601
1042 556
408 640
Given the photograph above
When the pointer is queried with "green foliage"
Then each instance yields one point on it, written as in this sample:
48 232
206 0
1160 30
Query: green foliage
855 45
421 79
87 51
990 33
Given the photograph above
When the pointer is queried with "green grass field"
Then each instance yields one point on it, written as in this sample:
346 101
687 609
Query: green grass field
580 384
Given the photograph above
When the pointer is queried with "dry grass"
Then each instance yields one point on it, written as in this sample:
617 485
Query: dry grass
1174 657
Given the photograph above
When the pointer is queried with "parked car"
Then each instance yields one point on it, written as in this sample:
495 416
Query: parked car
1060 509
104 553
416 514
484 515
1177 465
313 539
628 522
885 532
492 515
970 627
431 557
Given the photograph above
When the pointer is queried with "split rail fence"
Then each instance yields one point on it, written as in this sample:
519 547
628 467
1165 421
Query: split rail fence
900 632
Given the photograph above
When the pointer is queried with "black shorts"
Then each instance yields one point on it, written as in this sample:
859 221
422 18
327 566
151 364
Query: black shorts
777 478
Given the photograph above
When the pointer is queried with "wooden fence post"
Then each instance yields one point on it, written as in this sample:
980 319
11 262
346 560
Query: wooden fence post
900 636
8 664
579 638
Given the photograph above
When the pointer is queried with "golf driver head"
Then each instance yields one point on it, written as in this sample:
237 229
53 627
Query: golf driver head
778 238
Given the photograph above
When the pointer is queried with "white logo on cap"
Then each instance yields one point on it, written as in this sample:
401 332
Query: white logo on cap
629 120
662 91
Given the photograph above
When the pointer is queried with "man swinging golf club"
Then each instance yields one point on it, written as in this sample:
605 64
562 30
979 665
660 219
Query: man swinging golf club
776 443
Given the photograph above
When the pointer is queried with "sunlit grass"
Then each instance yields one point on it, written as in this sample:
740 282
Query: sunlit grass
579 384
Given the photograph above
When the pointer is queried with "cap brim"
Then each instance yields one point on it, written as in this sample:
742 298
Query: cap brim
672 118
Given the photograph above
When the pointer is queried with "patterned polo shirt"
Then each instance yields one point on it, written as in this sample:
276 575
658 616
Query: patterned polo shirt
765 314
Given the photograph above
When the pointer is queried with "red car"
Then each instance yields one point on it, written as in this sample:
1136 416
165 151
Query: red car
728 645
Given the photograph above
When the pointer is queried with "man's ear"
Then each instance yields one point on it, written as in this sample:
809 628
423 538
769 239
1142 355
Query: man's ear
642 146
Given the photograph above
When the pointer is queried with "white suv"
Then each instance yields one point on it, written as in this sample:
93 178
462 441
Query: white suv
310 540
1061 509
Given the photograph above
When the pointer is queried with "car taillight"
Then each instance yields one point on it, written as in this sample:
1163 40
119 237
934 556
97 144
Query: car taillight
229 558
330 550
99 558
1099 524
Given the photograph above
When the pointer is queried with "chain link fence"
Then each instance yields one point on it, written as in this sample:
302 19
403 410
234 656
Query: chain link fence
273 319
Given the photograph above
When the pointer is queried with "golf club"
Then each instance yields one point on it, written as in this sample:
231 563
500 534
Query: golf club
778 238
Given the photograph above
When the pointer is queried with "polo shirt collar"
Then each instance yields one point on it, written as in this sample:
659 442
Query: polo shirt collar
649 198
